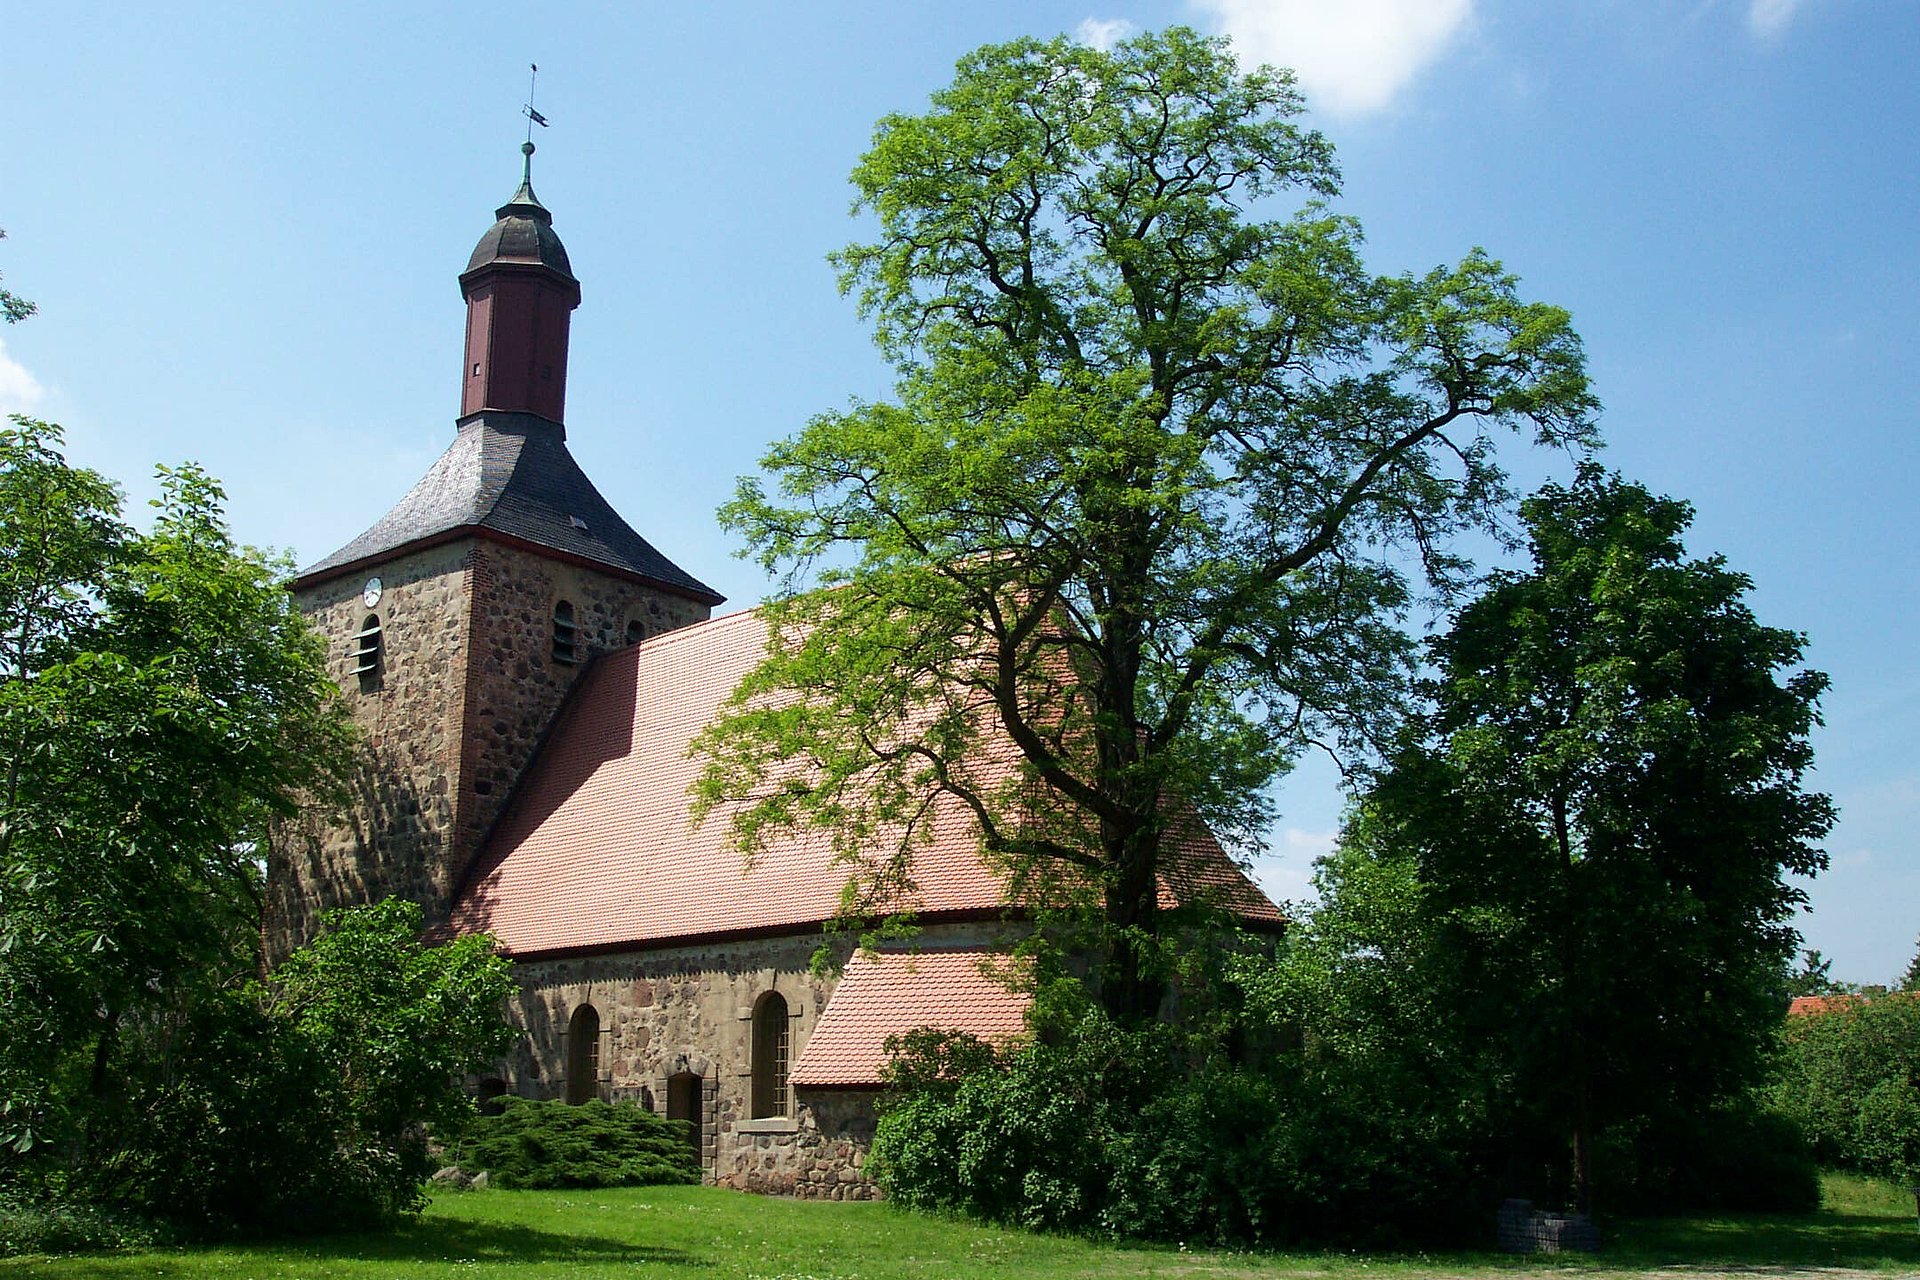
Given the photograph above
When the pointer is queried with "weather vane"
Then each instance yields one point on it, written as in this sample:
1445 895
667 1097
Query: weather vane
533 117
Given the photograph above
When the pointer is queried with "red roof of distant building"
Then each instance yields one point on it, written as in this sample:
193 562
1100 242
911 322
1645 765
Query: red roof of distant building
597 850
1808 1006
891 993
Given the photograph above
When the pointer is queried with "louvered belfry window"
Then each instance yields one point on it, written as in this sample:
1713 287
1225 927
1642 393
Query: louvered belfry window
566 635
366 649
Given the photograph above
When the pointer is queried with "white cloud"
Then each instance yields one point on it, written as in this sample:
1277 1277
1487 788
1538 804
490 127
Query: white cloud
1309 845
1103 33
1353 57
1285 871
20 391
1768 19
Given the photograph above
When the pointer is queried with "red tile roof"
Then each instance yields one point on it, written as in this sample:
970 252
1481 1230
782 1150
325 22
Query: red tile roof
890 993
1807 1006
597 850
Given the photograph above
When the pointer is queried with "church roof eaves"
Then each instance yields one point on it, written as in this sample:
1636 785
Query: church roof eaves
509 477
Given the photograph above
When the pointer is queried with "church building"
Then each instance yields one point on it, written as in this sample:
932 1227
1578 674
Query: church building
528 672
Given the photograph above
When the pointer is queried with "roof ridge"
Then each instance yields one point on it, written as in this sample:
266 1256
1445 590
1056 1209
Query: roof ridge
687 630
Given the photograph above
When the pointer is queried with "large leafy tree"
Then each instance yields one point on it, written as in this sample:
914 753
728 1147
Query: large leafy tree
1161 459
160 703
1600 822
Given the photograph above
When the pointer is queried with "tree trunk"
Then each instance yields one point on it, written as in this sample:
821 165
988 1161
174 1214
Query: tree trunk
1574 1003
1131 987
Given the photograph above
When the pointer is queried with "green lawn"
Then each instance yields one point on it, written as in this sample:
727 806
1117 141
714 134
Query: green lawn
699 1232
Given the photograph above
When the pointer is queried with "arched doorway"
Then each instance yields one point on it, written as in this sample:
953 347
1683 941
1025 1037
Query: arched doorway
683 1103
492 1090
583 1055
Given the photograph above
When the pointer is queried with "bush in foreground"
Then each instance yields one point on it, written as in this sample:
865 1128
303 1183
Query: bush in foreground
1851 1078
296 1105
594 1144
50 1226
1152 1132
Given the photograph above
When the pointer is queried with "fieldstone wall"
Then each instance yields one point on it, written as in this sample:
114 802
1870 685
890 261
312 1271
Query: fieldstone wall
515 682
467 686
690 1009
393 835
830 1150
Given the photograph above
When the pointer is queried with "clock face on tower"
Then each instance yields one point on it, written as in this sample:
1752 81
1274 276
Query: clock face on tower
371 596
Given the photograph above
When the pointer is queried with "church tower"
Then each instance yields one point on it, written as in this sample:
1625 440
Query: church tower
457 624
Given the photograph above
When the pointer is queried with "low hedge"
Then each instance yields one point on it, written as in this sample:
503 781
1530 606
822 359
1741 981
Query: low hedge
593 1144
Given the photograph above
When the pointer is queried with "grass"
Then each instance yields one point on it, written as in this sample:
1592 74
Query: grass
671 1232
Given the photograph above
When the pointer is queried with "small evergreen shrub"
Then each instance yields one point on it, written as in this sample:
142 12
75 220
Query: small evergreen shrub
594 1144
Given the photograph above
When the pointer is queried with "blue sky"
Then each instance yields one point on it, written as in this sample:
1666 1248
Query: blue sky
243 224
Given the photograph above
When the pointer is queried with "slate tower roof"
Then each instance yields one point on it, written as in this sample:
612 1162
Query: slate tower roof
510 476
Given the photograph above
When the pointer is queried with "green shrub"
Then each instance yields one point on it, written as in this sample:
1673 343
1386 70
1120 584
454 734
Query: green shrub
554 1144
1848 1076
1028 1136
1734 1159
302 1104
1146 1132
30 1225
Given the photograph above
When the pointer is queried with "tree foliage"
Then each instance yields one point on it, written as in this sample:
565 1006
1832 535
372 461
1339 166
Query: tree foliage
303 1103
13 307
160 702
1596 827
1142 507
1815 977
1205 1132
1851 1077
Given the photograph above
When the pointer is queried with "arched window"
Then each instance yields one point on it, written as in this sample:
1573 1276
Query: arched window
565 634
770 1046
583 1055
366 651
636 630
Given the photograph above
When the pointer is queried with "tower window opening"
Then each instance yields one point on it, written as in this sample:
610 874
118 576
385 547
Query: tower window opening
566 635
366 650
770 1052
636 631
476 368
